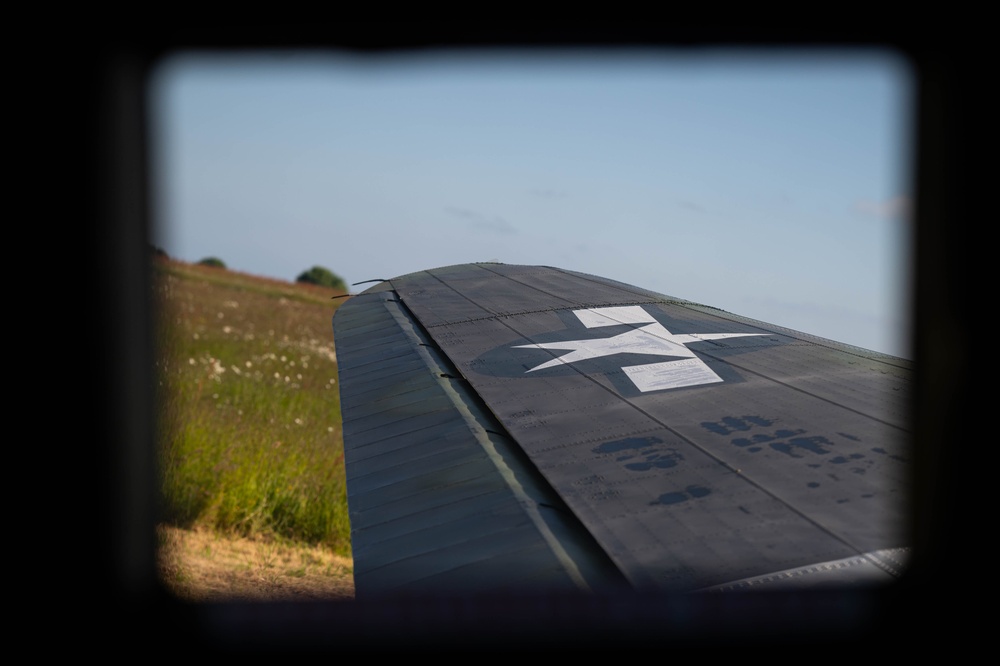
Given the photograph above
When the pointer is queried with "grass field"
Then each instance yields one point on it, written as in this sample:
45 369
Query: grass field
249 414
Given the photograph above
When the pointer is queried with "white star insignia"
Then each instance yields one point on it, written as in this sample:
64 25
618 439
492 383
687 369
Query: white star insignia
650 338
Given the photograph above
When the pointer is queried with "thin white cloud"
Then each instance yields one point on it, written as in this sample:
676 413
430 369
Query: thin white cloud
690 205
461 212
476 220
548 193
496 224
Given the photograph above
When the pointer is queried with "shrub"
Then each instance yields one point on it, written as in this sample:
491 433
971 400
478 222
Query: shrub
323 277
214 262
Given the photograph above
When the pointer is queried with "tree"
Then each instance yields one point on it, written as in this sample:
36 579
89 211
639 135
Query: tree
323 277
214 262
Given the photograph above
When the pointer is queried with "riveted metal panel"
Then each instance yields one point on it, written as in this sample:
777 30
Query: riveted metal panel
783 449
427 492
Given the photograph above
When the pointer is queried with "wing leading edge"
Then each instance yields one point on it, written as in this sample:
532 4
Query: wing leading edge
520 427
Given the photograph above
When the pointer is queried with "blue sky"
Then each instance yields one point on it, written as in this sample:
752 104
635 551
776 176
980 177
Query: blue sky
773 185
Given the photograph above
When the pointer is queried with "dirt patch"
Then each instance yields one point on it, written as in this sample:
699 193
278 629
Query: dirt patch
201 565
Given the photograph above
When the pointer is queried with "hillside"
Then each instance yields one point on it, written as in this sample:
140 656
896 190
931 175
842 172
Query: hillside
251 449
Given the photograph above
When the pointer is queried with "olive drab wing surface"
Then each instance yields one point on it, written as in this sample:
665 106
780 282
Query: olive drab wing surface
526 427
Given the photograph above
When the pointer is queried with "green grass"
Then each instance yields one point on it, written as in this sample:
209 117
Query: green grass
249 412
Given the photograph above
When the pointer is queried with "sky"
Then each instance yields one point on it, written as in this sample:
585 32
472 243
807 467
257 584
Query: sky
772 184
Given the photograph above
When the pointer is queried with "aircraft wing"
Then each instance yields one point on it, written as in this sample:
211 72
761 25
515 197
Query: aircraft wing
531 428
